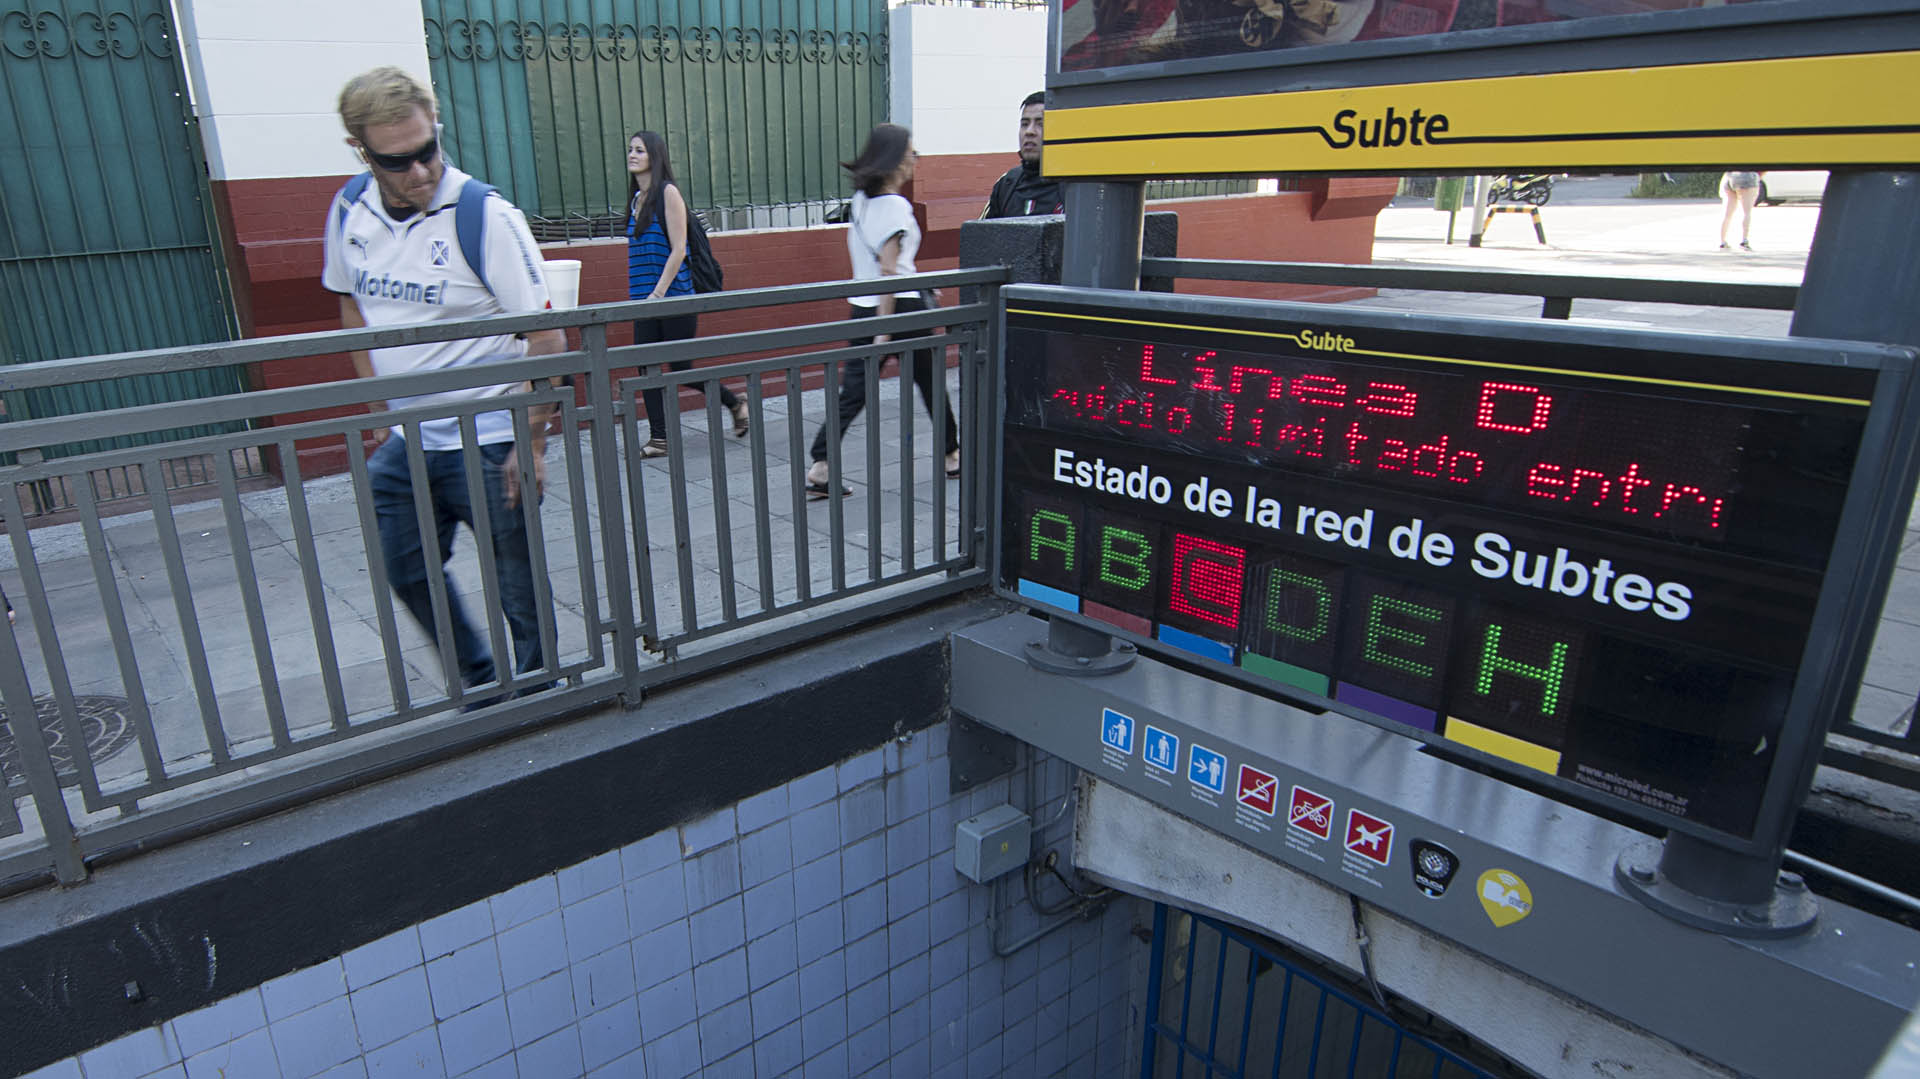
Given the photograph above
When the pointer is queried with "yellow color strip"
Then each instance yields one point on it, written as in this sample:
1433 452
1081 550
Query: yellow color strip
1606 376
1817 110
1504 746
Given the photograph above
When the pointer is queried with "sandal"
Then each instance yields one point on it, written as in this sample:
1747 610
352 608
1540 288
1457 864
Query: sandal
818 489
654 447
741 417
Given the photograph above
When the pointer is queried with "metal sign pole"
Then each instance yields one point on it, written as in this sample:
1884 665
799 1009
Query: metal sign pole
1479 228
1859 285
1861 281
1105 223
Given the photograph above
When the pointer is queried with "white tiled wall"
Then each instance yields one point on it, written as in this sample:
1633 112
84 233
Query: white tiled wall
816 929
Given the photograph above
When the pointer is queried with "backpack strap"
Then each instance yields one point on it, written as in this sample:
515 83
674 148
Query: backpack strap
350 193
469 218
470 227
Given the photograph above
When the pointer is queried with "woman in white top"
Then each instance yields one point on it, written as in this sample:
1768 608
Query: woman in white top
882 238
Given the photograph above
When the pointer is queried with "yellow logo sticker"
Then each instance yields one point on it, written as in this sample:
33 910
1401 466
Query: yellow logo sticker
1505 896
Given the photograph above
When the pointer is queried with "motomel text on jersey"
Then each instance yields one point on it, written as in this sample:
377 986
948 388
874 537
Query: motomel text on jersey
389 287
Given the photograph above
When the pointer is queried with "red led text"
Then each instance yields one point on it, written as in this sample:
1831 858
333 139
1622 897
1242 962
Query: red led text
1446 431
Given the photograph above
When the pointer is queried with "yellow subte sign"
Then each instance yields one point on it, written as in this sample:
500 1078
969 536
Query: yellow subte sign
1854 109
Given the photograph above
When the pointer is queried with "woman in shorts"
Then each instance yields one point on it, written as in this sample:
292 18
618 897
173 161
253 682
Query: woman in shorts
1738 190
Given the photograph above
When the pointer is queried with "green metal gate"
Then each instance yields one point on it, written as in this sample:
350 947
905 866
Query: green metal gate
759 100
105 244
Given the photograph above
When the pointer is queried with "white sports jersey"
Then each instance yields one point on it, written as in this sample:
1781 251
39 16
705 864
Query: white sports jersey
412 271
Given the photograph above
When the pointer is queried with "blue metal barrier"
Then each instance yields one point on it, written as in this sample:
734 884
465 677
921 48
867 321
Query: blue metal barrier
1256 1022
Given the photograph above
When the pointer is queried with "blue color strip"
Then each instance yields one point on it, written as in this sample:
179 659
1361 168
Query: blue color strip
1066 601
1198 645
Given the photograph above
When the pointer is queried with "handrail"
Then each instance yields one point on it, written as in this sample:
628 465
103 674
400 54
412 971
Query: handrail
161 416
1500 282
292 346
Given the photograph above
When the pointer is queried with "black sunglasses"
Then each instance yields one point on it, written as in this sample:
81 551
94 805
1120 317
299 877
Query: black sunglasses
402 162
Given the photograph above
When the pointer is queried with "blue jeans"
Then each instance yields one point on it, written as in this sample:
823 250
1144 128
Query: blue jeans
407 562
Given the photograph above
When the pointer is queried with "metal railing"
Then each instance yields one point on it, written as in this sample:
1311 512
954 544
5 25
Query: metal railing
1159 190
123 485
1889 756
1556 291
192 664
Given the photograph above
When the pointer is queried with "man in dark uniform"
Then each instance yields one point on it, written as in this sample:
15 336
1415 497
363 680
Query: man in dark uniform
1023 192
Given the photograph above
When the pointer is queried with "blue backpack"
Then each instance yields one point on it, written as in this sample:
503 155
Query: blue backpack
469 218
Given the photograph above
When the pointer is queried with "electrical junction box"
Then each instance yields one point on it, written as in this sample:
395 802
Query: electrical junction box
992 844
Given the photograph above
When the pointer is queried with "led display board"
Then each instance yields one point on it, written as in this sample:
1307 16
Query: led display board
1598 556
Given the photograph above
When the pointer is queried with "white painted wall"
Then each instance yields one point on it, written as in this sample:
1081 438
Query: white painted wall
959 74
266 75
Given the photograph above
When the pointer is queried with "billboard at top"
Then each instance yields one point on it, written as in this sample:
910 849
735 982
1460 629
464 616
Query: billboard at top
1156 88
1117 33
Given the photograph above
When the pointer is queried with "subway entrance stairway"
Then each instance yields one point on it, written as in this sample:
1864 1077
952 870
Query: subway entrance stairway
753 871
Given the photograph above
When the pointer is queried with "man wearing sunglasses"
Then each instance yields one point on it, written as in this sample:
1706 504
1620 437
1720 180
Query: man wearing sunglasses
415 240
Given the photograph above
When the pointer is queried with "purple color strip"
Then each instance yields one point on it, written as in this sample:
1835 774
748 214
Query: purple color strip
1390 707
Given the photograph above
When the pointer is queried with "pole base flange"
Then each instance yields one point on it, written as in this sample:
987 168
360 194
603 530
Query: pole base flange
1791 910
1117 659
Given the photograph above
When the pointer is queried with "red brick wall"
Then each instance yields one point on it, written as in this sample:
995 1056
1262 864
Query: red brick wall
1331 221
954 187
273 229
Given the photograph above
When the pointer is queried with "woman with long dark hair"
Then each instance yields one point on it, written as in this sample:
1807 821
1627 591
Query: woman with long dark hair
882 240
657 267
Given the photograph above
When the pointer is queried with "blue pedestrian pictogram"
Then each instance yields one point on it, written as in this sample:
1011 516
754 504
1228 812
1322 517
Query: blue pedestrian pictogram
1162 749
1116 731
1207 769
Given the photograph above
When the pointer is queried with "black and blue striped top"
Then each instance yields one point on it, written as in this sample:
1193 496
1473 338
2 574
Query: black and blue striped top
647 256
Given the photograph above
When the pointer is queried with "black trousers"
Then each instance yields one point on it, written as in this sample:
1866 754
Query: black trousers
678 328
853 384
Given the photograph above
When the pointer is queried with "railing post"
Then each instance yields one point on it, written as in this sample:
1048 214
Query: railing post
613 517
986 372
31 746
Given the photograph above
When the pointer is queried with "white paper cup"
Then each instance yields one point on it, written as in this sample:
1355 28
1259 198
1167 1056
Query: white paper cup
563 282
